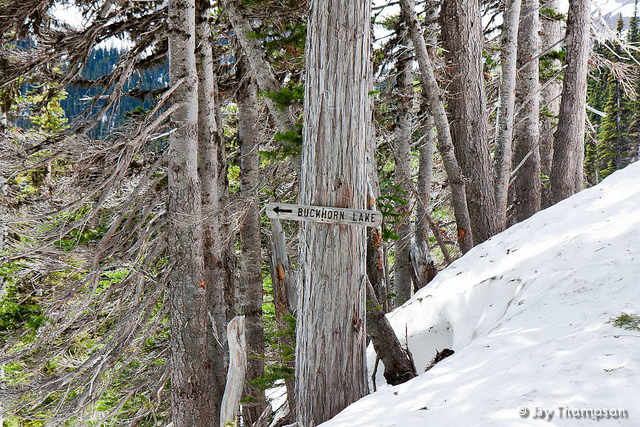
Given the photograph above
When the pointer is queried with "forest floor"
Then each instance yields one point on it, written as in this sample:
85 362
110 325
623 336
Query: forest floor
530 315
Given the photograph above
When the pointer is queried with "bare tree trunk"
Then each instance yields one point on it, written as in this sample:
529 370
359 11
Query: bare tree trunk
402 171
445 144
423 267
250 243
330 349
504 122
236 373
191 398
425 170
209 147
463 38
398 367
527 188
550 95
568 153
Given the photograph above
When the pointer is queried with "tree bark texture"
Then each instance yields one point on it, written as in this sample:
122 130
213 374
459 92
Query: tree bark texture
250 242
550 95
209 147
330 349
526 186
423 267
445 143
402 170
398 367
462 37
425 170
568 147
504 122
191 399
236 372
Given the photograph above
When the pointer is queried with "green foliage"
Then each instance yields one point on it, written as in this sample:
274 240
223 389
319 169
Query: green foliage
551 13
278 357
284 42
286 96
291 144
291 136
19 309
613 145
392 197
630 322
43 106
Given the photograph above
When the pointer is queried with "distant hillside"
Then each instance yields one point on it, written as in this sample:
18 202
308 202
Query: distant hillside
101 62
610 10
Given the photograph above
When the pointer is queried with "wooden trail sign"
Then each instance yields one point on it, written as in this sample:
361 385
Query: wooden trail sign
323 214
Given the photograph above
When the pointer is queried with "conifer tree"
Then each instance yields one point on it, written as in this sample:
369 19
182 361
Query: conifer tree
613 136
633 38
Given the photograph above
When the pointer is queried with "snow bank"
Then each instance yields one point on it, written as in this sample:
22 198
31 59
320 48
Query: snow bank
527 314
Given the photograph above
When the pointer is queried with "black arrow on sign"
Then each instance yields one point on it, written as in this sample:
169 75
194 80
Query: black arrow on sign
278 209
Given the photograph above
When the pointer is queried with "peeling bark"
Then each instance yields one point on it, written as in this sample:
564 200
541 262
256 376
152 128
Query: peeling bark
330 349
284 291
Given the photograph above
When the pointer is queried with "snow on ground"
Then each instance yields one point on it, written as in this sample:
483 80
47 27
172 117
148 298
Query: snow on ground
527 314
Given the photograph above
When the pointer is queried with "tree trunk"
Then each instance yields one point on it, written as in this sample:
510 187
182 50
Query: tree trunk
568 153
462 38
425 170
250 243
527 188
330 352
191 398
402 171
398 367
445 145
236 373
209 147
504 122
550 95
